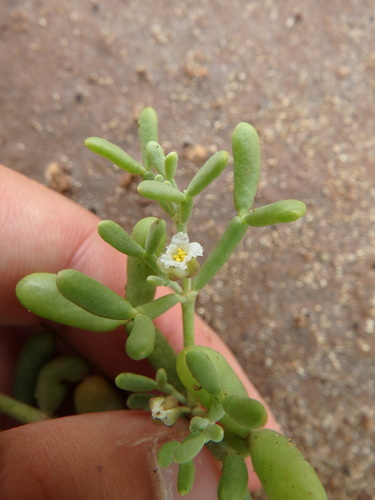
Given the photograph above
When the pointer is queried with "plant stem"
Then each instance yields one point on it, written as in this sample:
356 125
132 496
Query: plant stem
181 227
20 411
175 286
186 283
188 322
188 309
169 389
164 356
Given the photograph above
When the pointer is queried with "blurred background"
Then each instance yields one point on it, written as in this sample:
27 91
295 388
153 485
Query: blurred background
296 303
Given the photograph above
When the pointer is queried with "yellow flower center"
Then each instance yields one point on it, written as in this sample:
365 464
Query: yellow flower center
180 255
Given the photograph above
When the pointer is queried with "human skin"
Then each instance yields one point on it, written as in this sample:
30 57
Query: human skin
94 456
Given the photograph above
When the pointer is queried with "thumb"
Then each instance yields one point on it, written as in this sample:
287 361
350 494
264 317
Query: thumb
96 456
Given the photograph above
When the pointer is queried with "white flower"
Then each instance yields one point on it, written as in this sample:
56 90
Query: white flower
164 410
179 252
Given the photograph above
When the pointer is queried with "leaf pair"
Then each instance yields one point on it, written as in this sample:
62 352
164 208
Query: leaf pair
74 299
234 476
39 293
210 380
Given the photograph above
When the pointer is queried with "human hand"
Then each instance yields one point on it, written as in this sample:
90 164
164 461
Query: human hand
94 456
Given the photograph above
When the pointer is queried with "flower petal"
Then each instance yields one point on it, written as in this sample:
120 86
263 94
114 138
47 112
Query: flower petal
195 249
180 239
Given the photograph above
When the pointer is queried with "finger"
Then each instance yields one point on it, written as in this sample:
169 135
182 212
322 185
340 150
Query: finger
106 455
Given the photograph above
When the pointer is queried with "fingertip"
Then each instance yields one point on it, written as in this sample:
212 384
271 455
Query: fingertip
95 456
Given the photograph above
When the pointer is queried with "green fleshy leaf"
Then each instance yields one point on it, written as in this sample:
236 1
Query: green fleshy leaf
159 306
230 382
234 478
216 411
37 351
224 248
160 178
95 394
119 239
93 296
160 191
166 453
275 213
149 175
50 389
157 280
155 236
134 382
114 154
138 290
141 230
147 131
245 411
185 478
139 401
213 432
208 173
204 371
186 208
246 157
282 469
39 294
155 157
190 447
170 165
198 424
141 340
161 378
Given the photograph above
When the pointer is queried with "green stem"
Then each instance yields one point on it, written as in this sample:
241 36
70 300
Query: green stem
20 411
181 227
185 409
169 389
164 356
188 309
175 286
186 283
184 214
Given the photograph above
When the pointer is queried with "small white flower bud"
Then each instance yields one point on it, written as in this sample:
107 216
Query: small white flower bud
164 410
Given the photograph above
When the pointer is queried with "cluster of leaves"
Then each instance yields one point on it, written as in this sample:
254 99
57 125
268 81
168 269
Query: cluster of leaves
196 384
42 381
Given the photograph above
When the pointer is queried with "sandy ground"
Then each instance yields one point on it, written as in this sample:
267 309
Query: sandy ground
296 303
